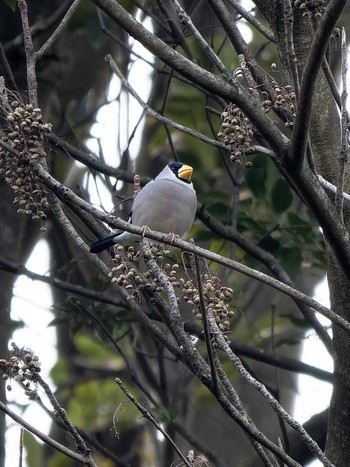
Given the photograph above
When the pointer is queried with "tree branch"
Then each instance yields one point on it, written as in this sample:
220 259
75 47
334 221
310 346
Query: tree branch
58 284
145 413
344 151
308 83
46 439
30 54
310 443
252 20
65 194
208 81
156 115
57 32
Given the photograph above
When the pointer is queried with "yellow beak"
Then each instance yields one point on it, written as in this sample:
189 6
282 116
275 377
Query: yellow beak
185 172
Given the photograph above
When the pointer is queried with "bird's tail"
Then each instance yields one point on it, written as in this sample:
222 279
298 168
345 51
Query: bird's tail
103 244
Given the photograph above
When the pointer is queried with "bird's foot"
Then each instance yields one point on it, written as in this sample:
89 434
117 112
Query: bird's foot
144 230
172 237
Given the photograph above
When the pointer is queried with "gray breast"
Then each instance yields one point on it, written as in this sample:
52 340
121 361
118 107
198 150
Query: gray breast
166 206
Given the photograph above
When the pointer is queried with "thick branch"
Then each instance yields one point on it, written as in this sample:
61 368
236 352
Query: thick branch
308 83
208 81
65 194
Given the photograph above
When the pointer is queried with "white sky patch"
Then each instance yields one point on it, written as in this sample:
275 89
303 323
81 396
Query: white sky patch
314 395
31 305
117 120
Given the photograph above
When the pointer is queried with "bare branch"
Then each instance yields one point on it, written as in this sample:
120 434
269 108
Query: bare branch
46 439
208 81
30 54
186 21
145 413
207 336
292 59
156 115
40 26
91 161
65 194
223 345
308 83
344 151
54 36
58 284
332 188
252 20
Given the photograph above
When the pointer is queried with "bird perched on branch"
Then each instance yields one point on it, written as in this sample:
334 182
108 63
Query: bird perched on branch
166 204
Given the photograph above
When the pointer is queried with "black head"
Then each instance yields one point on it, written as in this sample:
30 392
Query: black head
182 171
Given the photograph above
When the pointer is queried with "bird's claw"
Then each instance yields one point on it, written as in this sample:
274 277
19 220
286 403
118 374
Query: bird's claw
144 230
172 237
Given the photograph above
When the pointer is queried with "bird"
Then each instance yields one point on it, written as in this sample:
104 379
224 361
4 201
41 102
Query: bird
166 204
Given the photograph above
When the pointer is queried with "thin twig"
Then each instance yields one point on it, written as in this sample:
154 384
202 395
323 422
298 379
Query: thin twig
145 413
224 346
30 54
187 353
57 32
285 363
7 71
331 82
61 413
207 336
156 115
65 194
229 25
332 188
42 25
58 284
186 21
234 398
91 161
343 156
46 439
291 56
252 20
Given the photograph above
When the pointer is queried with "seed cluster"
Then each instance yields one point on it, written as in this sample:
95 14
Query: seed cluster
237 132
314 9
216 296
24 132
22 366
126 272
284 102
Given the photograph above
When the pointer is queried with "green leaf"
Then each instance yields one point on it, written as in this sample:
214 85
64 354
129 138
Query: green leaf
90 347
298 322
294 219
214 194
287 342
11 4
281 196
291 260
205 235
217 208
164 414
34 451
256 177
